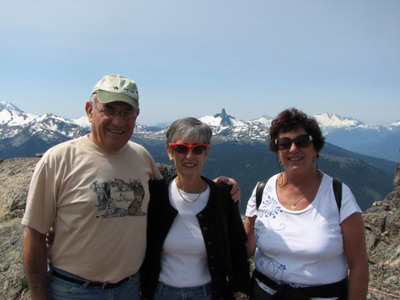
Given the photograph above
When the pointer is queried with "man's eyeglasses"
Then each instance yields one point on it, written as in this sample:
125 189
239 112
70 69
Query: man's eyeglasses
184 148
127 115
300 141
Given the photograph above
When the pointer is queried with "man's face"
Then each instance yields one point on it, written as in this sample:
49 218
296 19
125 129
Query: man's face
112 124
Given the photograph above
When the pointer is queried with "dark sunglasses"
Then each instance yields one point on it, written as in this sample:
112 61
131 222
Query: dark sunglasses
300 141
184 148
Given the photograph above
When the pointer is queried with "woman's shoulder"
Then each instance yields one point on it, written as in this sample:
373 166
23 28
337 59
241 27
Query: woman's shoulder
157 184
272 180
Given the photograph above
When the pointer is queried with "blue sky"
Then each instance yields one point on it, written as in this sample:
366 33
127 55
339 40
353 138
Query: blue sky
193 58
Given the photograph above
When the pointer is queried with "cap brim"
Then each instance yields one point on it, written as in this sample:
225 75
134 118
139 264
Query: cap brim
108 97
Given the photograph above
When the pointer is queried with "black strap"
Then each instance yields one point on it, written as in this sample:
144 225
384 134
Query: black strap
337 190
259 191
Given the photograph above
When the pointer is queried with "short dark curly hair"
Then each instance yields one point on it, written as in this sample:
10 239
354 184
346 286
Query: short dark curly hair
292 119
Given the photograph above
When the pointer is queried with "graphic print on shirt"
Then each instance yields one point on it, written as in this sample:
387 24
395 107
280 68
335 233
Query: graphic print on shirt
269 266
269 210
269 221
118 198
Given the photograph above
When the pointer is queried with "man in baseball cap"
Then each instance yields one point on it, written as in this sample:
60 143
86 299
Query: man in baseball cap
94 191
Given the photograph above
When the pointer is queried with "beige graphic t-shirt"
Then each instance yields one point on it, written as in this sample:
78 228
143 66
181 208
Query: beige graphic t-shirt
97 203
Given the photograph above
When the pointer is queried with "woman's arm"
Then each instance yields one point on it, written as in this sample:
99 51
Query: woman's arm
251 239
237 241
356 254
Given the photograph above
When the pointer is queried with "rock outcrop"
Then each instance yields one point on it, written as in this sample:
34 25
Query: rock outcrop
14 183
382 223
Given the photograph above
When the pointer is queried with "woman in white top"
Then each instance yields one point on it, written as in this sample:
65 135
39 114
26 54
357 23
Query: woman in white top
196 243
304 247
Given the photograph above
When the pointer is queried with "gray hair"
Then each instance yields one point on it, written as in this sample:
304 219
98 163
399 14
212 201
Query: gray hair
189 128
93 98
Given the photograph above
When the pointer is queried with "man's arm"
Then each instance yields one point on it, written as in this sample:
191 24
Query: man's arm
35 263
235 191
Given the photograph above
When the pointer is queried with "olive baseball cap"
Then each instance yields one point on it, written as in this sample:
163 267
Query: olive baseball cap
113 88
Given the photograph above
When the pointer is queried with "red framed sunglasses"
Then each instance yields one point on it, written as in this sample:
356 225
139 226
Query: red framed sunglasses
184 148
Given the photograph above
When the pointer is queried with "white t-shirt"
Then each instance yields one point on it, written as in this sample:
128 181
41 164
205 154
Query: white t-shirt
97 203
184 257
301 248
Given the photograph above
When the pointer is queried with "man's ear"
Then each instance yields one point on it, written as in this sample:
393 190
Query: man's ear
89 110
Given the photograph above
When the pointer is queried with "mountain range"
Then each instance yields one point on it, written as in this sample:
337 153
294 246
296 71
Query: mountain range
361 155
18 128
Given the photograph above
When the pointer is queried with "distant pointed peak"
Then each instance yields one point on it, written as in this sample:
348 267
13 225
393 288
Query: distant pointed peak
225 118
221 114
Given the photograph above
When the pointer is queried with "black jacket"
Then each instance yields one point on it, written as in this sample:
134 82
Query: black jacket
161 215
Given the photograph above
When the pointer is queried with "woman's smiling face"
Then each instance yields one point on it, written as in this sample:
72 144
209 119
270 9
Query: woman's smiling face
190 163
297 158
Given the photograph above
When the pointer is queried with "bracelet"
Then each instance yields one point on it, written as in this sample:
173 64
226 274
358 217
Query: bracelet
240 294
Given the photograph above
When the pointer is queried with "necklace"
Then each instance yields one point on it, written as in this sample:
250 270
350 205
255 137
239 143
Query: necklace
282 185
187 200
293 206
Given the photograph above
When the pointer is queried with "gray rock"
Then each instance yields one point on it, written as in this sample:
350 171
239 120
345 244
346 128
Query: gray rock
382 224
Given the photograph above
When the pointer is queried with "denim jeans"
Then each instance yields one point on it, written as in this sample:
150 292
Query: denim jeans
60 289
166 292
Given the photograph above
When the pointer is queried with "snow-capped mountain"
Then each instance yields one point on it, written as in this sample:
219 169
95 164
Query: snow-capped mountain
19 128
24 134
330 122
228 128
379 141
395 124
13 123
9 106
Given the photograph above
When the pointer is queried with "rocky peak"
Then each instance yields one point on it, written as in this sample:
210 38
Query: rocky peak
225 118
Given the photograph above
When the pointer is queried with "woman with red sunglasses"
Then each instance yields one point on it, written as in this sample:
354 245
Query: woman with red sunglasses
305 244
196 243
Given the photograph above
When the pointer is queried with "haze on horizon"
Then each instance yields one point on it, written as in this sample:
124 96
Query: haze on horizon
252 58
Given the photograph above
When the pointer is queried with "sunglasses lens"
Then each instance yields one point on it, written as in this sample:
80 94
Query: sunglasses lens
199 149
184 149
302 141
181 149
284 143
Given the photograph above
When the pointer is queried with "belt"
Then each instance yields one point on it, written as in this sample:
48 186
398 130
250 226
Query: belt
86 283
